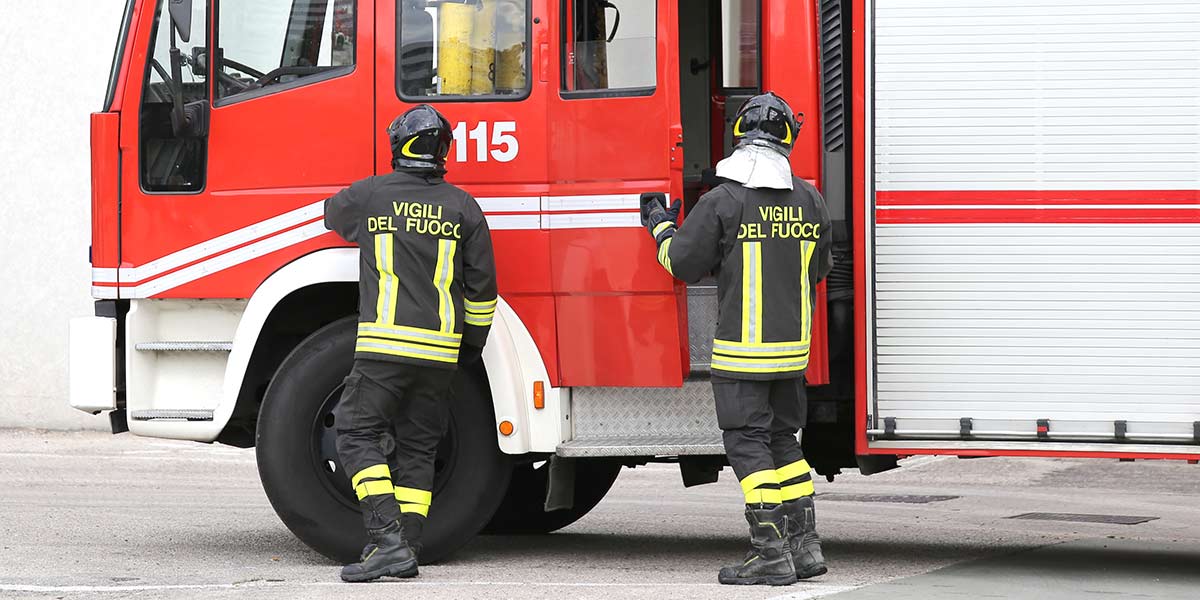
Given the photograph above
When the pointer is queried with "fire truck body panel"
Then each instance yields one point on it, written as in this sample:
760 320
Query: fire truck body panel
1029 273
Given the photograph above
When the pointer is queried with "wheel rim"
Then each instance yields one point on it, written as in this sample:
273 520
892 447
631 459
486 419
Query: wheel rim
325 458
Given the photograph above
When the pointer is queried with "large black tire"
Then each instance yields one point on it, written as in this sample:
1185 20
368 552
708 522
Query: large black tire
304 480
523 510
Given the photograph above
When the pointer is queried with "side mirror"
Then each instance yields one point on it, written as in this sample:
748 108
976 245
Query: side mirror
199 60
181 18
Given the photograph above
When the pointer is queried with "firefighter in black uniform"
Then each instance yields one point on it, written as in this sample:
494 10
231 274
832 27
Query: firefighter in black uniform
427 289
766 235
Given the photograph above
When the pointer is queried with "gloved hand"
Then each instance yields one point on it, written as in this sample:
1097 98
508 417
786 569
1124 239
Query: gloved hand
469 355
656 214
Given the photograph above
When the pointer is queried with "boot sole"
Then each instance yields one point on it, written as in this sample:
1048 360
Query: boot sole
821 570
763 580
402 570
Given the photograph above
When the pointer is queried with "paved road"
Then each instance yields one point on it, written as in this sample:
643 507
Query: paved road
97 516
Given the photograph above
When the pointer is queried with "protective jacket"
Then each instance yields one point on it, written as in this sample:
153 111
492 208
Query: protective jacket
769 249
427 276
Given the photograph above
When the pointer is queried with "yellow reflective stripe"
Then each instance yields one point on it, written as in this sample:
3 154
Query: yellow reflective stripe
767 496
743 367
471 319
420 509
483 306
806 308
799 490
443 276
371 472
793 470
410 334
413 495
761 353
385 304
752 310
758 478
661 227
746 279
396 348
377 487
726 344
664 255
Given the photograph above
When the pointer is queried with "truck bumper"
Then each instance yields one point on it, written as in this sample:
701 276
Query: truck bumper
92 364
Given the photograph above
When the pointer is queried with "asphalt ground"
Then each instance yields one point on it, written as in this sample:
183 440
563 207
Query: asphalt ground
90 515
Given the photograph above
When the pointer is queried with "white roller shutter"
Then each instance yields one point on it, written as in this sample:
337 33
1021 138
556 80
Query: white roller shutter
1007 320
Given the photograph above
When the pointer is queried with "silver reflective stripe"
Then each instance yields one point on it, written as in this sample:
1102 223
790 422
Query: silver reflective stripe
444 276
752 291
414 335
410 348
796 348
387 279
790 364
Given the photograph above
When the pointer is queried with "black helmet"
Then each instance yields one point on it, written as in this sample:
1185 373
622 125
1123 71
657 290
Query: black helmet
767 120
420 139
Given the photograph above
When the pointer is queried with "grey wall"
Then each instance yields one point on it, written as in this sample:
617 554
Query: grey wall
54 67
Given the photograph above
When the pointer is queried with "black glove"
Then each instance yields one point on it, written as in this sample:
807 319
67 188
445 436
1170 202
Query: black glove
656 214
469 355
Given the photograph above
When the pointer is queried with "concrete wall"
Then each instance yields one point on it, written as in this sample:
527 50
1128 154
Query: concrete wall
54 68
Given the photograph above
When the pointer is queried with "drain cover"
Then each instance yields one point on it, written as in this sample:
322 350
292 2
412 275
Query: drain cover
897 498
1078 518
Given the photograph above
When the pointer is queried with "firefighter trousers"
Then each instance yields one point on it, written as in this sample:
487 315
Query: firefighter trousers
389 421
759 421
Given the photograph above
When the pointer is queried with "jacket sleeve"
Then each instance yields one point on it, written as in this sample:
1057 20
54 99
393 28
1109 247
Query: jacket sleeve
825 242
343 211
694 250
479 276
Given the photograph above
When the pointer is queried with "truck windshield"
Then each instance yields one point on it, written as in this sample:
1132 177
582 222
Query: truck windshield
118 56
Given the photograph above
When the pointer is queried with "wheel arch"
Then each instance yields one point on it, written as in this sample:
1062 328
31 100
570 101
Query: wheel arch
321 287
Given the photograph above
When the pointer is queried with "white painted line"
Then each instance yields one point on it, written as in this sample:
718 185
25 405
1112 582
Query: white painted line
818 592
123 589
249 460
595 203
510 204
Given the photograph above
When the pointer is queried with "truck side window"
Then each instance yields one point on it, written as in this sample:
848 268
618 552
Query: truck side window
609 45
264 46
173 157
739 44
462 49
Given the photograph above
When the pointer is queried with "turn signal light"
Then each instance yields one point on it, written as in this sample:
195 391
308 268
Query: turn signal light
539 395
506 428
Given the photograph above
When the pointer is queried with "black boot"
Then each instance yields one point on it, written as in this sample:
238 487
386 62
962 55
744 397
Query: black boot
413 524
390 557
803 540
769 561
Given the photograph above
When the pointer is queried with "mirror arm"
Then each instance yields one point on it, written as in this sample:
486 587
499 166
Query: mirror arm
179 121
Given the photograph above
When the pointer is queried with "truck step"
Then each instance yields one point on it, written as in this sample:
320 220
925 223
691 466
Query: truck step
641 445
184 347
172 415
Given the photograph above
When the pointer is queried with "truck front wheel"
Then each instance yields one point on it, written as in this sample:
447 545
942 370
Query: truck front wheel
304 479
523 510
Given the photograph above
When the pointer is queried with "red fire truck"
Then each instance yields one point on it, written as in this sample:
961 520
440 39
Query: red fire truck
1013 184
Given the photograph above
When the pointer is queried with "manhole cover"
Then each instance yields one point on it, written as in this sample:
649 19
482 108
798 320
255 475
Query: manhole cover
1078 518
897 498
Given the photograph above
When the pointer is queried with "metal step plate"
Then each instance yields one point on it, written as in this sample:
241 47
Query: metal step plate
172 415
643 421
667 445
702 323
184 347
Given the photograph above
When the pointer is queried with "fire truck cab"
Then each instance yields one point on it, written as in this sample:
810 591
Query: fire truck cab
1015 231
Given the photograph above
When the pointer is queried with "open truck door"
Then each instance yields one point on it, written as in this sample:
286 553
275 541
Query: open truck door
575 106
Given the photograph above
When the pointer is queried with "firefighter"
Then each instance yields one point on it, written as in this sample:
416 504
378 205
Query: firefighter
427 295
766 235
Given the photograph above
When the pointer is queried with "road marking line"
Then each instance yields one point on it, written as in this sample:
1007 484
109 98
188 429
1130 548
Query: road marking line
816 592
301 584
